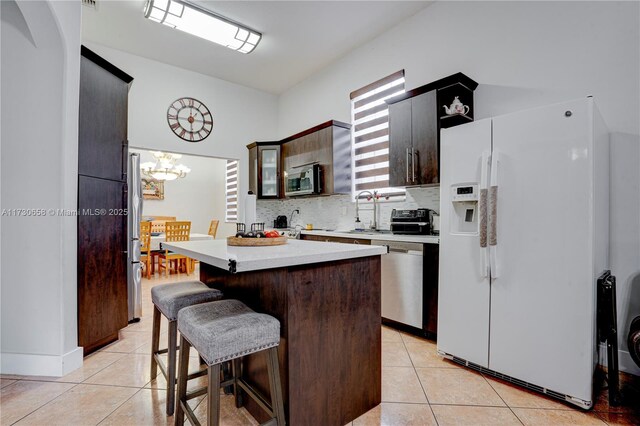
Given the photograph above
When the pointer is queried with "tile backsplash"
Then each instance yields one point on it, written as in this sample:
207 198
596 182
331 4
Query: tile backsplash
338 211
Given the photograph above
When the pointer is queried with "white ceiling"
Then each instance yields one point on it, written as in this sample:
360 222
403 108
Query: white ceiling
299 37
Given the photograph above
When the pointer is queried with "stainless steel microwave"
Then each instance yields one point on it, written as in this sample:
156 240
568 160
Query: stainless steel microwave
303 180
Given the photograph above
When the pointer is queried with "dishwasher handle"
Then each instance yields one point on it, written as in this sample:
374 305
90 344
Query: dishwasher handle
404 251
400 247
396 250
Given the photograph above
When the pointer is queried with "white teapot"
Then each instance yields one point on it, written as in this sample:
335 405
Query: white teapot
456 107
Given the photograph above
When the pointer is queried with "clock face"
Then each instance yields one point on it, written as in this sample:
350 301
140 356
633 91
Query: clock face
190 119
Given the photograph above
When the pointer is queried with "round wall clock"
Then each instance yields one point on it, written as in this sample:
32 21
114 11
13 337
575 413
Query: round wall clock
190 119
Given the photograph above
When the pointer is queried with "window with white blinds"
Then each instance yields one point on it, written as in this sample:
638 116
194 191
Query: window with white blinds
231 184
370 135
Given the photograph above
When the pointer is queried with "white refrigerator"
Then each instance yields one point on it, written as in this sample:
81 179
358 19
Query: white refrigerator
524 234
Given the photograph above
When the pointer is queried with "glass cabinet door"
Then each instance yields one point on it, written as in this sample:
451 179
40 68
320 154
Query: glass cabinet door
269 171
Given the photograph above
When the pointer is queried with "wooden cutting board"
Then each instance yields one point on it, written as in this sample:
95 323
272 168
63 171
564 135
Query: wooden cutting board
256 242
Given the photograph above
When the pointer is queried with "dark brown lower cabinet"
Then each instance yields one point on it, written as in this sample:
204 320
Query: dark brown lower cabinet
336 239
102 261
430 290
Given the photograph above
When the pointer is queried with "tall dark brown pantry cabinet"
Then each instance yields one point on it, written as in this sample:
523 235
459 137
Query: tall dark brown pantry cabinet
102 202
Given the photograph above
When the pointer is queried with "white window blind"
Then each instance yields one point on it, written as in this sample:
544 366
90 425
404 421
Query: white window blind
231 208
370 135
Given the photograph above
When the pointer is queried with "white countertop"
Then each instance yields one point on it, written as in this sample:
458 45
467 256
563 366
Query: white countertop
295 252
424 239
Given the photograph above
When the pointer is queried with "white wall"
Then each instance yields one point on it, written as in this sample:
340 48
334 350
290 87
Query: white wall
624 232
40 56
523 54
199 197
241 115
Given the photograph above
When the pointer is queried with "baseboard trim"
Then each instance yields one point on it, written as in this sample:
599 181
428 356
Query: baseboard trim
41 365
72 360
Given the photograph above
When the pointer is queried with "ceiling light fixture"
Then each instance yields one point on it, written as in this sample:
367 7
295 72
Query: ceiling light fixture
165 167
193 19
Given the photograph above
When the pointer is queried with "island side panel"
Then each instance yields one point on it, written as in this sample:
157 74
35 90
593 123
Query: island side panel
330 353
335 334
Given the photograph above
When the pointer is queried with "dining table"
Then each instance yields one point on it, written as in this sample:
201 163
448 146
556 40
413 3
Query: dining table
156 240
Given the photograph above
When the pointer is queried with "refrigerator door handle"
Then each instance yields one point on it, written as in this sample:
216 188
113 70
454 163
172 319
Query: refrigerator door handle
135 206
482 207
493 216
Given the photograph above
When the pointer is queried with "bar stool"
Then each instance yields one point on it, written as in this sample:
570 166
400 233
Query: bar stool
223 331
168 299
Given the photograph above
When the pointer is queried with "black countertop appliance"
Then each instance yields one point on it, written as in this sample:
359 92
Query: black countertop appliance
280 222
412 222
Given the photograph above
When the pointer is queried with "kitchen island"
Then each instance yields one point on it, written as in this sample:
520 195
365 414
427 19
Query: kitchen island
327 299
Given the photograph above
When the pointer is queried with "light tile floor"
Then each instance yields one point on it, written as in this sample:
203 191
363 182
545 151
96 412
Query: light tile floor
113 387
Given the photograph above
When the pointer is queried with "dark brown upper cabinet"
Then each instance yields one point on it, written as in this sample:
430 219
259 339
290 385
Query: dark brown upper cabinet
253 167
415 120
102 131
328 144
265 169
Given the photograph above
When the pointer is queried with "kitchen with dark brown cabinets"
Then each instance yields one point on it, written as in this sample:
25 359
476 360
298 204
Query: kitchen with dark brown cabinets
386 213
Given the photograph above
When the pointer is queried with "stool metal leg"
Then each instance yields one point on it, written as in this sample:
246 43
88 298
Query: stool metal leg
171 367
182 381
155 341
277 403
213 395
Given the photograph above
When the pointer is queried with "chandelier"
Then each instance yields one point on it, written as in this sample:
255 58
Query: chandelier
165 167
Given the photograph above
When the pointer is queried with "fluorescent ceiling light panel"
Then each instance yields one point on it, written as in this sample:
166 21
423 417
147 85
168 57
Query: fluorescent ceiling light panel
197 21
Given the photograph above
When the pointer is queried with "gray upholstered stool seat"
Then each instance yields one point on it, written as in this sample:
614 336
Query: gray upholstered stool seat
170 298
221 331
227 329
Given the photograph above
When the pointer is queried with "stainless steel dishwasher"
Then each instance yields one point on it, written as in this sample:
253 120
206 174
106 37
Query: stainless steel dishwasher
402 282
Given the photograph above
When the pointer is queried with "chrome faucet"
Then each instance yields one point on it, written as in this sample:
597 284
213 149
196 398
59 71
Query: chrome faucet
374 196
291 216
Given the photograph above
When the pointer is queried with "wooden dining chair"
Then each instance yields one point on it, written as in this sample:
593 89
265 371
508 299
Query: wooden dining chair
161 218
213 228
158 223
157 226
145 248
175 231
